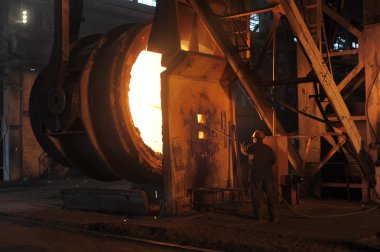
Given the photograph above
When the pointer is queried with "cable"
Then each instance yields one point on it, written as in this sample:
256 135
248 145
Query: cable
320 217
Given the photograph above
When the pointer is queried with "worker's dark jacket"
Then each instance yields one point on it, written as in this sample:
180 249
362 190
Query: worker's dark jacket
263 160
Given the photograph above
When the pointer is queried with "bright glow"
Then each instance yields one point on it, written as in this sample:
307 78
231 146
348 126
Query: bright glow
148 2
24 17
145 98
201 135
201 118
254 22
185 46
336 46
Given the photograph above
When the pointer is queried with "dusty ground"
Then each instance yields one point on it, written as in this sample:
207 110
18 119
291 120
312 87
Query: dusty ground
40 202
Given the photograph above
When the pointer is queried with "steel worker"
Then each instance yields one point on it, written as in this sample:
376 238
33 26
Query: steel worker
261 158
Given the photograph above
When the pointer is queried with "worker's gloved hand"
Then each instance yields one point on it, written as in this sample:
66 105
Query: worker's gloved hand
244 148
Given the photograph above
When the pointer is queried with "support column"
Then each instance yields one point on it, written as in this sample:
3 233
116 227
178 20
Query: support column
371 56
307 104
310 151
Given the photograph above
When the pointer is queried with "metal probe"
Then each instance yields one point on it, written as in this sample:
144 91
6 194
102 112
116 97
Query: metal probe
222 133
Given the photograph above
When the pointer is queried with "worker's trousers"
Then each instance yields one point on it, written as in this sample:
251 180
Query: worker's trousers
257 189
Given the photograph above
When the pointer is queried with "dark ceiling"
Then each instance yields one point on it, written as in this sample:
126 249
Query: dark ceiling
29 45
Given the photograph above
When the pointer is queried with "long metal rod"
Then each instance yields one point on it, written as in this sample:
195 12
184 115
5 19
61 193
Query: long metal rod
222 133
246 78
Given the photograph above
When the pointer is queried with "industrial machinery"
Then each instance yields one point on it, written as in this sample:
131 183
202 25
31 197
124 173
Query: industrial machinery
91 126
83 109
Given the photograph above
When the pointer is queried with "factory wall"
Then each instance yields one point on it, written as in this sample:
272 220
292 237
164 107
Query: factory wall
21 151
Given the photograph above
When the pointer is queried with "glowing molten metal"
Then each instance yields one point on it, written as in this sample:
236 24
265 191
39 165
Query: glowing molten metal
145 98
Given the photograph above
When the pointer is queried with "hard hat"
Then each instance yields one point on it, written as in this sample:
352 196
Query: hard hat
258 134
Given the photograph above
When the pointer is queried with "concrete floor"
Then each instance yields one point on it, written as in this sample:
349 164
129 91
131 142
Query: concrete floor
31 212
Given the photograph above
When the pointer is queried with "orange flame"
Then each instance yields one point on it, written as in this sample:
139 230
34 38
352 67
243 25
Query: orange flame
145 98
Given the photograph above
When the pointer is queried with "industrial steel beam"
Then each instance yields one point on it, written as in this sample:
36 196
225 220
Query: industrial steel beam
247 79
251 12
61 46
355 84
55 72
341 53
333 150
326 80
349 77
164 37
340 20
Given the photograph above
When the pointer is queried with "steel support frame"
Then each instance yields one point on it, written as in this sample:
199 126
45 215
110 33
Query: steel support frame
349 77
354 31
251 12
61 46
326 80
247 79
55 73
340 20
333 150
